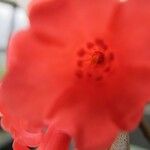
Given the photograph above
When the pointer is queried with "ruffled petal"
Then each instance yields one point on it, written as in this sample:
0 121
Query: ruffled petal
18 132
54 140
17 146
84 115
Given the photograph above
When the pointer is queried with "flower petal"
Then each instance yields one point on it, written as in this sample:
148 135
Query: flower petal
55 140
129 38
129 31
17 146
83 114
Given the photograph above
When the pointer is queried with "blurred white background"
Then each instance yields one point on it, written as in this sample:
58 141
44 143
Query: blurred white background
12 19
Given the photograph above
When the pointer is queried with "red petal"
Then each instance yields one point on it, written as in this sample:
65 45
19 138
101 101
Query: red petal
129 38
129 32
17 146
83 113
55 140
71 20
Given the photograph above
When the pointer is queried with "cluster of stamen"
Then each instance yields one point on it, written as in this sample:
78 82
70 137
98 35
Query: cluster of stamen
94 60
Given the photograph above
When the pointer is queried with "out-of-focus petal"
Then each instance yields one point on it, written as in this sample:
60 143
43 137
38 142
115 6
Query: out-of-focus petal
129 38
82 113
129 31
17 146
54 140
67 18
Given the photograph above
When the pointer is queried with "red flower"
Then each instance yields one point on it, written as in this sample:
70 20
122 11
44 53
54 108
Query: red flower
81 70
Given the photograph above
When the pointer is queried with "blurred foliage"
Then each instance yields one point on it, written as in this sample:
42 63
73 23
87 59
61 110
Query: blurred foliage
2 71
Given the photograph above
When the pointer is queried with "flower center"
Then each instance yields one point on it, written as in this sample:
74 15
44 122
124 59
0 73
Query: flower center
98 58
94 60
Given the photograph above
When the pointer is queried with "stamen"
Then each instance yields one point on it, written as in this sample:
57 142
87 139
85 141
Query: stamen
101 44
99 78
107 69
80 63
90 45
111 57
89 74
81 52
79 73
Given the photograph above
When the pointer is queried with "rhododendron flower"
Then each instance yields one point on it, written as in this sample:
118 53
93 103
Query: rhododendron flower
81 71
